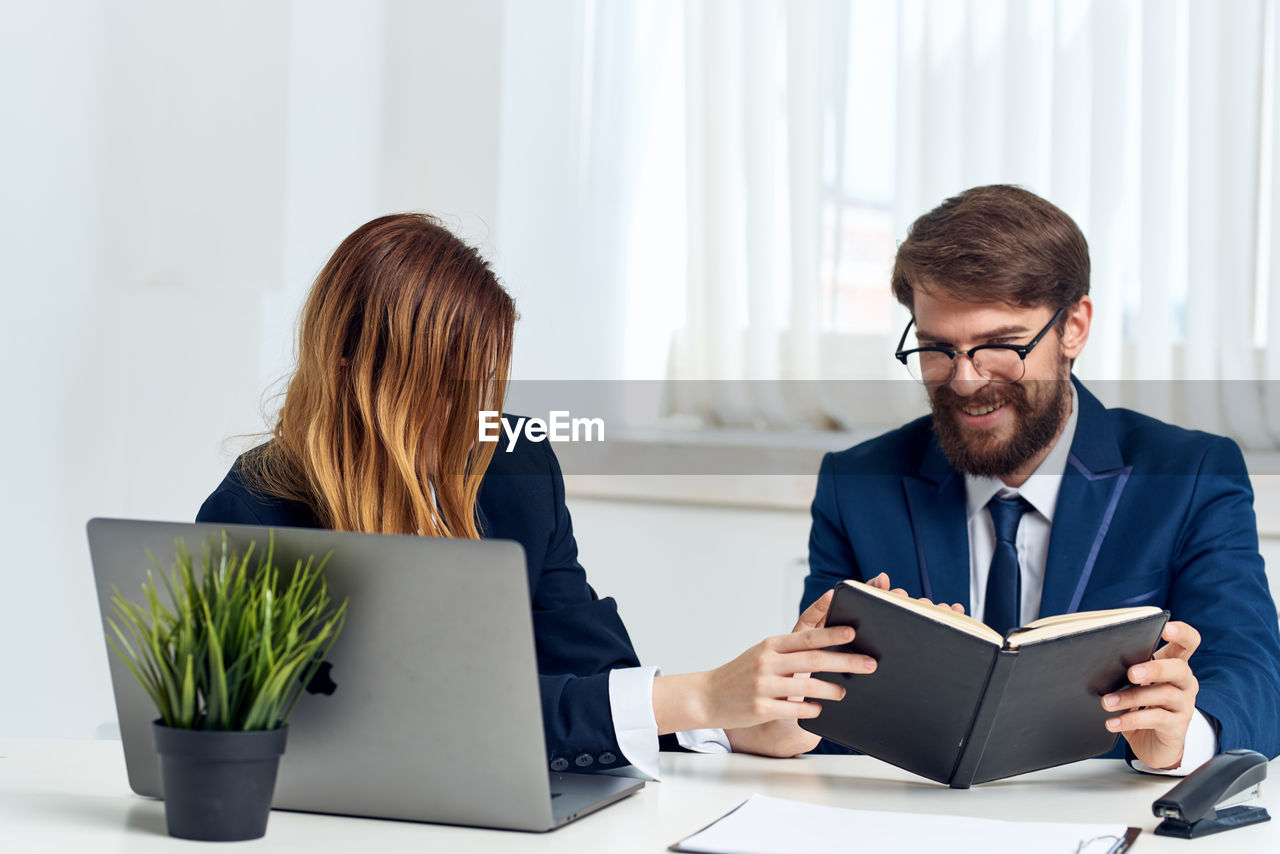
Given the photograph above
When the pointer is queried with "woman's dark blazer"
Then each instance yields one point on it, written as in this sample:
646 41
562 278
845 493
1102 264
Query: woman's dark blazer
579 636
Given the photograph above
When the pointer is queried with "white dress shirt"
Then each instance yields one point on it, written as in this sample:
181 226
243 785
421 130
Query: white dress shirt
631 701
1041 491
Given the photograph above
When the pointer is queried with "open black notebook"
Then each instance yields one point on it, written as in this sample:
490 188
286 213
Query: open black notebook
954 701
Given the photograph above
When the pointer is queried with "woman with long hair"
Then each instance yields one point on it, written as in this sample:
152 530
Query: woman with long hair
405 337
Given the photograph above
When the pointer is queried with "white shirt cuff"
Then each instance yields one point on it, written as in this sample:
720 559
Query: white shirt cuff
631 704
1201 746
704 741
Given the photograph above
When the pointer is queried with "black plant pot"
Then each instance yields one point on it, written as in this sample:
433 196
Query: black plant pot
217 785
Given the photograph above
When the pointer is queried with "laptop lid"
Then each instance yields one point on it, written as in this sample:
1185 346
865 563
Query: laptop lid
434 713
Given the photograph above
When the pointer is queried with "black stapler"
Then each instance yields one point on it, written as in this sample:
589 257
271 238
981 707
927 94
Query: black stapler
1204 802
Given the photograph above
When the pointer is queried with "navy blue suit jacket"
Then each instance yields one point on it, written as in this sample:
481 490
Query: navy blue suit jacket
579 637
1147 514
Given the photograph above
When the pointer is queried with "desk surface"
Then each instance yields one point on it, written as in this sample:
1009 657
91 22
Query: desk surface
73 796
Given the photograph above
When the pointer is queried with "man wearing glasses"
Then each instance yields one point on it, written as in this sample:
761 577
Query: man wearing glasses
1021 496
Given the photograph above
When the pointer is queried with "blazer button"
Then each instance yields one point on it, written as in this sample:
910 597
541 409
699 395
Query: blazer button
606 758
582 760
559 763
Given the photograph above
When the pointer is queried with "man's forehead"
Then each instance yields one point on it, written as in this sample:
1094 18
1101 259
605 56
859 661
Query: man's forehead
944 318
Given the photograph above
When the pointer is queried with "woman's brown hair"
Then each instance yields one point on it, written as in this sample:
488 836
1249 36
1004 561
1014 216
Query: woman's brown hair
405 336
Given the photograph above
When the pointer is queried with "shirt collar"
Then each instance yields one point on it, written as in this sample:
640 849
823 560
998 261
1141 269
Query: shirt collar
1041 489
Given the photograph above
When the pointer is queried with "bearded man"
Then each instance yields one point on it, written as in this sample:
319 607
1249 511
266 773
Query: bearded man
1021 496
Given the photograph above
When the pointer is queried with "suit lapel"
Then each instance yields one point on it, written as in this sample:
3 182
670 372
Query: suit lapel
1092 485
936 503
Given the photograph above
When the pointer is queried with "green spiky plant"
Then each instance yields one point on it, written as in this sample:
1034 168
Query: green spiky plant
232 649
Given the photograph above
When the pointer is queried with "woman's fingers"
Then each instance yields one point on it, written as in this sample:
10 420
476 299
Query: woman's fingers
811 639
821 661
810 688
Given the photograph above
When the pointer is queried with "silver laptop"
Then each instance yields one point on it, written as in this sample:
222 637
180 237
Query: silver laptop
434 713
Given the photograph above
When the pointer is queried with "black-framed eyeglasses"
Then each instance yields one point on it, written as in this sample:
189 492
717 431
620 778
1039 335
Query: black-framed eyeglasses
998 363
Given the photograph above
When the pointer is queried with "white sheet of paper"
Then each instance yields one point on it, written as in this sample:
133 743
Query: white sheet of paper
768 825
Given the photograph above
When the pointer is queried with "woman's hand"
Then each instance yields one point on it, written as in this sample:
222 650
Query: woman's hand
772 680
756 686
783 736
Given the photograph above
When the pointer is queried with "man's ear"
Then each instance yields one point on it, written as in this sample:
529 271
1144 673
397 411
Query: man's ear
1075 327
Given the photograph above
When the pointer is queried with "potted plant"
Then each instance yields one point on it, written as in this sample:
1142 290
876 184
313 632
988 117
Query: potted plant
224 655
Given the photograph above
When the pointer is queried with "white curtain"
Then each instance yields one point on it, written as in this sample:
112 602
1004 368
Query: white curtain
815 132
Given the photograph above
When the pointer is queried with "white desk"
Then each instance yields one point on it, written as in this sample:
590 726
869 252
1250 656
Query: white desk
72 796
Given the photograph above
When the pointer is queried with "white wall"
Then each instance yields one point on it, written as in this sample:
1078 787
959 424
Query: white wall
696 585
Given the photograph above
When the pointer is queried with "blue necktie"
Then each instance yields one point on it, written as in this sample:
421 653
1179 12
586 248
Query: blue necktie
1004 581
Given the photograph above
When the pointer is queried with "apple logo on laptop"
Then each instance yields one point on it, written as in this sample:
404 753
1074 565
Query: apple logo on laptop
322 682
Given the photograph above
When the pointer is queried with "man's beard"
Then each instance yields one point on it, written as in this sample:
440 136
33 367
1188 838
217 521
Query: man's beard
1039 417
